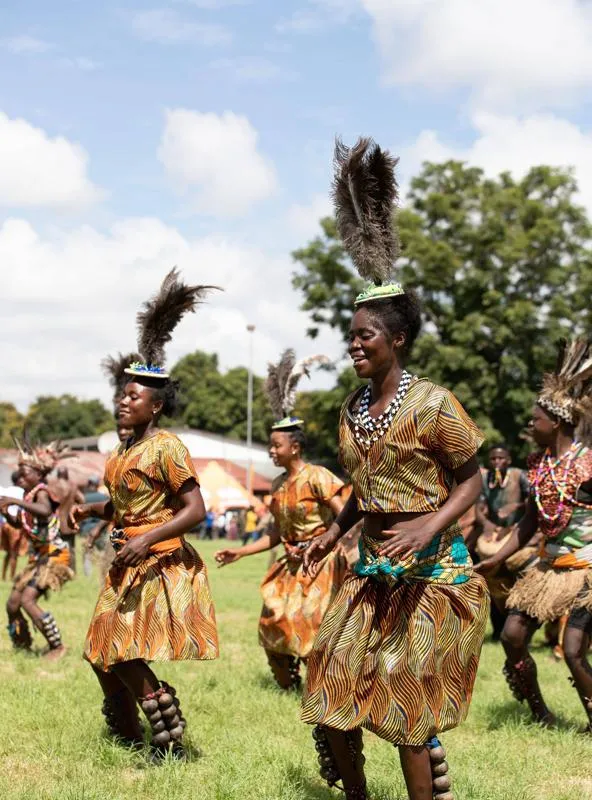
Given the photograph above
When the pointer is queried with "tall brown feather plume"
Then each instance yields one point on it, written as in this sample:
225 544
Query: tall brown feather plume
275 385
365 193
114 368
570 386
283 378
161 315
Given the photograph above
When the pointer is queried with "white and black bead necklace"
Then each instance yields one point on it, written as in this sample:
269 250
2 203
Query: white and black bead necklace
368 430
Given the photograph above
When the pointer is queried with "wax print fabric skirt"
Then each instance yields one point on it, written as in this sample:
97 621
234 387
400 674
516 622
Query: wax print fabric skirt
294 604
398 657
161 610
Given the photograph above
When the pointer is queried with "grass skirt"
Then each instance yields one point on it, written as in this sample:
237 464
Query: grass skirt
294 604
546 593
159 611
50 574
399 660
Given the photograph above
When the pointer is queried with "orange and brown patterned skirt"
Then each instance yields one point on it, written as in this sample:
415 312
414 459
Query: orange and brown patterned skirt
159 611
294 604
399 660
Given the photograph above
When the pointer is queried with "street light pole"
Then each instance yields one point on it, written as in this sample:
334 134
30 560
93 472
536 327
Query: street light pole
250 329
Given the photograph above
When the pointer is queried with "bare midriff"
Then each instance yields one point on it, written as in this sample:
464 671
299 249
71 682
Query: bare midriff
375 525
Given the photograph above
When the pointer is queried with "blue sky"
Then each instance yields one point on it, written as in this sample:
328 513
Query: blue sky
199 132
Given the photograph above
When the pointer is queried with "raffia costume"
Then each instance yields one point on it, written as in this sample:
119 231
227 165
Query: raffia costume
560 584
48 567
161 610
398 651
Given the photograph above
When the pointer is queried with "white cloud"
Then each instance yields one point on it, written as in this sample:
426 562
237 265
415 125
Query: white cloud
73 296
23 45
217 157
166 26
506 143
254 69
304 219
38 170
213 5
503 51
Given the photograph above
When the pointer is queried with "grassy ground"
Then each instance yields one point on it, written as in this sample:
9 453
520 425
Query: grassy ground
253 746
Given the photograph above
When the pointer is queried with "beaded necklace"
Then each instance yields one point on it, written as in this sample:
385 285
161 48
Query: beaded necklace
547 467
368 430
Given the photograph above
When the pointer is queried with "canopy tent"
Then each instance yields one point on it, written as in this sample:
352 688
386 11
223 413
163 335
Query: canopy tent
221 491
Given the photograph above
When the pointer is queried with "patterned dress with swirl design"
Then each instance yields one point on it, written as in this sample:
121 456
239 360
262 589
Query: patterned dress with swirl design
161 610
561 581
294 604
398 650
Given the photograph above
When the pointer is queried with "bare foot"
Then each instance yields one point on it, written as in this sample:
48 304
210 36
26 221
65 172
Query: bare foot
55 653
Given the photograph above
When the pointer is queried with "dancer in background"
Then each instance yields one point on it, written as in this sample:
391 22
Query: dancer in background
66 494
49 562
560 506
155 604
398 650
13 539
504 496
305 498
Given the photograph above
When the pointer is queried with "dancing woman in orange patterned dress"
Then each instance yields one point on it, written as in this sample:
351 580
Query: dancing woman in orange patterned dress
398 650
155 604
305 499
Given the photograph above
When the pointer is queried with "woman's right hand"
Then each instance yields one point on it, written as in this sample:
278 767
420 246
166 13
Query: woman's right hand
317 550
224 557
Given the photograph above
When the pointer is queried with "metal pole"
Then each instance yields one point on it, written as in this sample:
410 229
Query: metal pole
250 329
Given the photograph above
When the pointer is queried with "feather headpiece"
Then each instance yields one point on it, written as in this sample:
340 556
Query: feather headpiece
567 392
42 457
365 194
158 319
282 383
114 368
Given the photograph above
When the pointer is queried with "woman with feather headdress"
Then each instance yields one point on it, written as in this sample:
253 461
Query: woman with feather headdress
49 563
305 498
560 507
155 604
397 651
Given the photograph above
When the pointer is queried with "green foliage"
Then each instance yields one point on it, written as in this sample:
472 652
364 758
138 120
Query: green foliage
216 402
11 424
321 410
503 270
66 417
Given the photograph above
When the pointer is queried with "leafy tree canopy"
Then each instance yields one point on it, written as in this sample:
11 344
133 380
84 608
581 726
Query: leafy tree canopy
503 269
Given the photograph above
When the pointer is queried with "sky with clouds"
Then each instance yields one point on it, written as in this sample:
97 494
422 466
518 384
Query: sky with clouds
134 137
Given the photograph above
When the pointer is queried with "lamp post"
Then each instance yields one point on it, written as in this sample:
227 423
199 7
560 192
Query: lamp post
250 329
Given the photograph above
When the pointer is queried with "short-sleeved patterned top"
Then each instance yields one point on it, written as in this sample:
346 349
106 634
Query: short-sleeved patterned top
410 469
300 505
144 479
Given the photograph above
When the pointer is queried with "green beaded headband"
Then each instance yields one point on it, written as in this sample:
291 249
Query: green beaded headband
383 292
287 423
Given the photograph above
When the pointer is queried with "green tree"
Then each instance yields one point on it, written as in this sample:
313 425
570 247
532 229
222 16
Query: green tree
321 409
66 417
11 424
216 402
503 269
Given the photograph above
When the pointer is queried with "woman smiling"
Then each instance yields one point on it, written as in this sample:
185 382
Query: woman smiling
398 650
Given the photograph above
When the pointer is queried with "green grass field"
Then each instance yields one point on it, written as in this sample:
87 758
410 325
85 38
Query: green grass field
251 743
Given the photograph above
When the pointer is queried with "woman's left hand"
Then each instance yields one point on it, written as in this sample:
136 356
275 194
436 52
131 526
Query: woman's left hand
133 552
407 538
